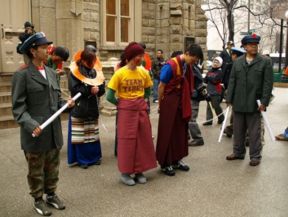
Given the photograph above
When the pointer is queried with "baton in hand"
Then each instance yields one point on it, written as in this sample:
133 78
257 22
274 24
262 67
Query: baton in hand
224 124
56 114
266 122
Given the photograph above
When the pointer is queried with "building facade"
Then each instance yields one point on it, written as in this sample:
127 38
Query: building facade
108 24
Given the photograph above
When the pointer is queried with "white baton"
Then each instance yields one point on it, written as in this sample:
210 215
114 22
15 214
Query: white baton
266 122
56 114
224 124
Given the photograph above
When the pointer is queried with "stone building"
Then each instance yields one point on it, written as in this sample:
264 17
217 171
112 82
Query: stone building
110 24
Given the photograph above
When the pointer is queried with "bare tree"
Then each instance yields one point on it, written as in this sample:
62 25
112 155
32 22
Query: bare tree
216 20
216 9
225 10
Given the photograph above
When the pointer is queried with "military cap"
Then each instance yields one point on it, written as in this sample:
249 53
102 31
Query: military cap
237 51
37 39
251 39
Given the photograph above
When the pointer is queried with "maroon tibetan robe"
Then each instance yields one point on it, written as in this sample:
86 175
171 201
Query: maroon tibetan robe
135 148
175 112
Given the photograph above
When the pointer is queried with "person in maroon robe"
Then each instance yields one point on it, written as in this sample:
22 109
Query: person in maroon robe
175 90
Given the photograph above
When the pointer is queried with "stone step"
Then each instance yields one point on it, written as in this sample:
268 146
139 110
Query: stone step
5 97
7 121
6 76
5 86
5 109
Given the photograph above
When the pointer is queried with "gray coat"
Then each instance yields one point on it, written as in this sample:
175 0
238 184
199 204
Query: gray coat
250 82
34 100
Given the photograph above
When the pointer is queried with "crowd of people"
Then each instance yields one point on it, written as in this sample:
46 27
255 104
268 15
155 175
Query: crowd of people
177 85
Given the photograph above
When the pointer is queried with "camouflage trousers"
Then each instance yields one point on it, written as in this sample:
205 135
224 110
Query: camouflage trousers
43 171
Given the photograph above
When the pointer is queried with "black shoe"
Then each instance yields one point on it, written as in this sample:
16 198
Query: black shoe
228 132
220 121
169 171
41 207
254 162
207 123
98 162
181 166
83 166
234 157
196 142
55 201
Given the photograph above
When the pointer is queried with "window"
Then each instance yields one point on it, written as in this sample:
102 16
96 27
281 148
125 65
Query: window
118 28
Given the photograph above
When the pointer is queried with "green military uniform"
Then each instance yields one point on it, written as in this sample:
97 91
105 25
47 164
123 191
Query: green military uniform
249 82
34 100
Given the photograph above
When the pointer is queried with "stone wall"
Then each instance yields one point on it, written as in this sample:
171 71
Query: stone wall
91 21
166 24
61 21
149 24
43 17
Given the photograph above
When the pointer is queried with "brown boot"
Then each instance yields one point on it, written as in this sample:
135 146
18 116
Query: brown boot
234 157
254 162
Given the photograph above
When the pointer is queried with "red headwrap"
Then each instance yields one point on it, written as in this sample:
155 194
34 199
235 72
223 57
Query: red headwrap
132 50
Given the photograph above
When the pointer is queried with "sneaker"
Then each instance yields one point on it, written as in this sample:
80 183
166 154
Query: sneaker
181 166
196 142
55 201
127 179
169 171
140 178
41 208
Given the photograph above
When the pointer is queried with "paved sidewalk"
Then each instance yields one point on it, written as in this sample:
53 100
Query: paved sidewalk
213 187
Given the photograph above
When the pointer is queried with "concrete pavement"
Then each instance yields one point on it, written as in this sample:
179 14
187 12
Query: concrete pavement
213 187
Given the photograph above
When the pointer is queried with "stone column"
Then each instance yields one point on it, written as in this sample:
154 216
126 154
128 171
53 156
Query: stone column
69 24
43 17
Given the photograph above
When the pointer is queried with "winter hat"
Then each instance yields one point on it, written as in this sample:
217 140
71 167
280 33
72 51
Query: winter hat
133 50
220 60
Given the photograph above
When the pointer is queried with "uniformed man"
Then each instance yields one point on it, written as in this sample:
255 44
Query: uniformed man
35 97
251 79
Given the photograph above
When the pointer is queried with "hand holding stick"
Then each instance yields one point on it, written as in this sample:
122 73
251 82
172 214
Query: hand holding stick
224 124
55 115
266 122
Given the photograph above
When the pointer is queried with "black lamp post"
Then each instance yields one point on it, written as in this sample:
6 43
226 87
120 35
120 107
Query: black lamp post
286 53
281 47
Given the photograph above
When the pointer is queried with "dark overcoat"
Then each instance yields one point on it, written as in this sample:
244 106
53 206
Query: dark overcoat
34 100
249 82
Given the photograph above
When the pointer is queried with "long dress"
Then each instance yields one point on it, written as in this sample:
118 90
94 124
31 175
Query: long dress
84 146
135 147
175 112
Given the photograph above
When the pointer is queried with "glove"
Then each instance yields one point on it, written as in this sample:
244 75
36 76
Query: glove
208 98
